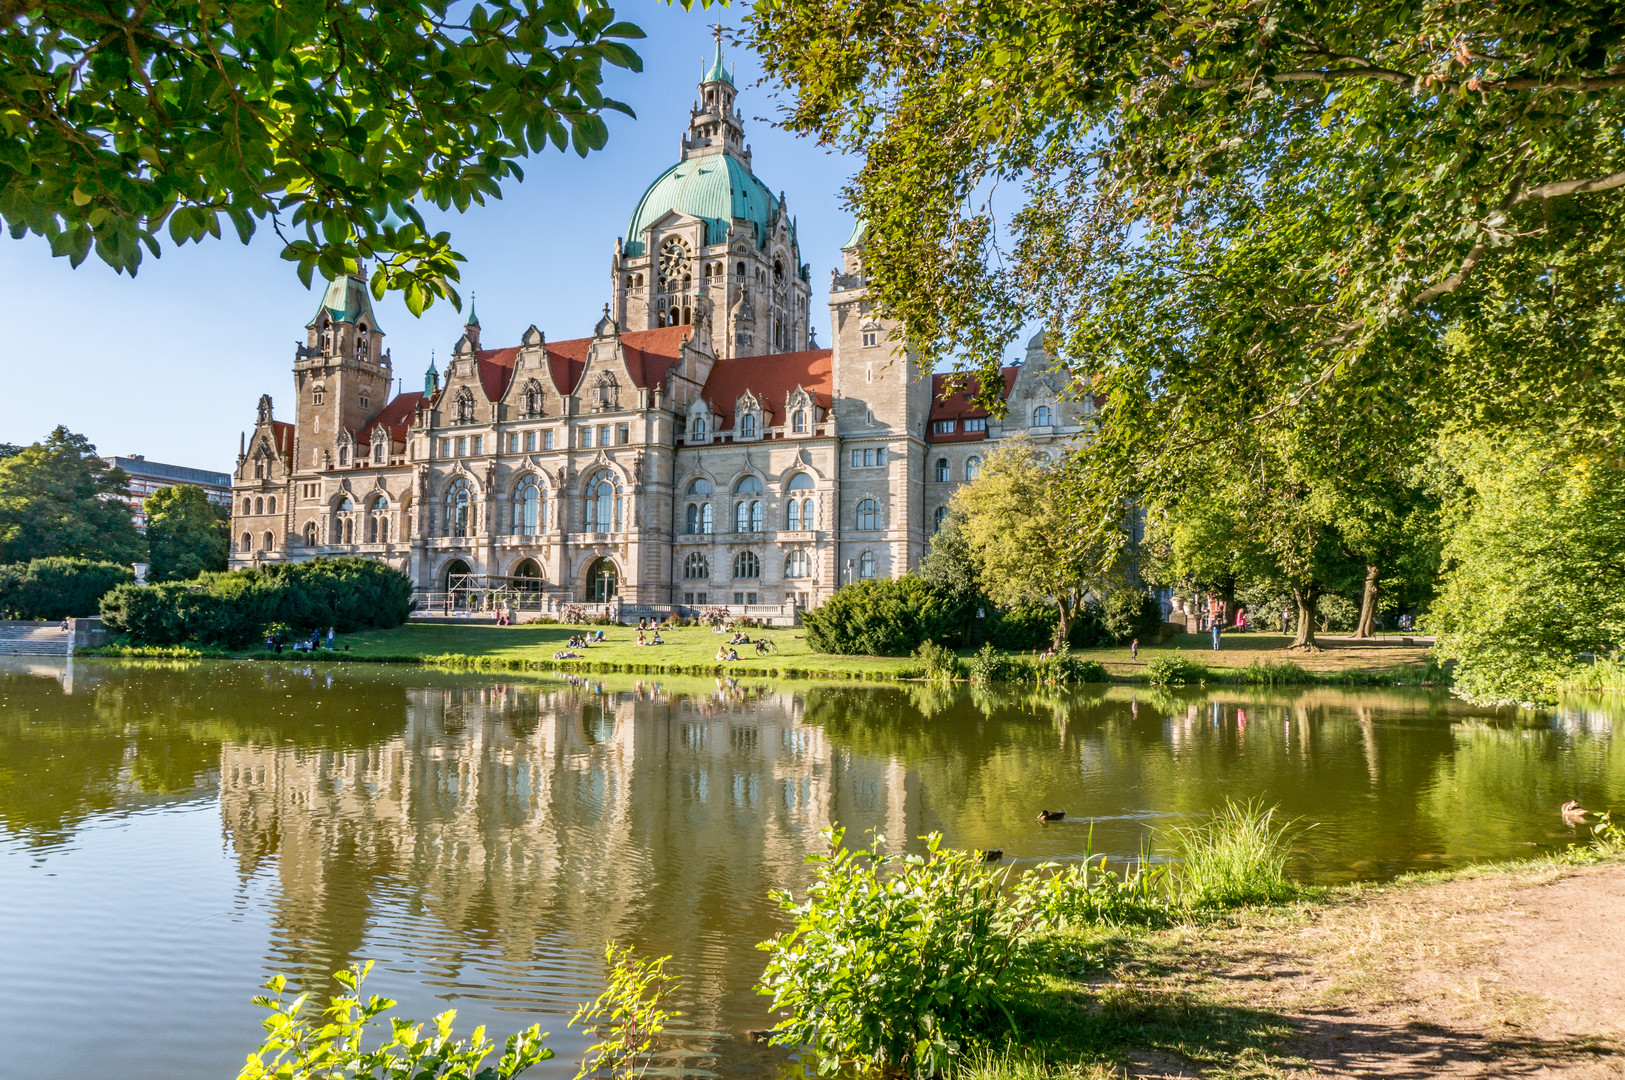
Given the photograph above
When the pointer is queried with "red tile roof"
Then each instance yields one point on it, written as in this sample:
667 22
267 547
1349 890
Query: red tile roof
282 433
960 406
771 378
496 370
394 418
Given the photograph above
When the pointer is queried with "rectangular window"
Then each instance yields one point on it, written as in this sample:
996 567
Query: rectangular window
445 448
739 598
699 598
871 338
688 598
603 435
477 441
750 598
880 456
868 457
976 423
513 442
943 427
857 458
623 434
462 446
547 440
530 440
586 436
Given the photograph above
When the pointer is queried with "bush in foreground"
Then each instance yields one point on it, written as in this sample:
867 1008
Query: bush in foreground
58 587
232 610
883 617
1237 856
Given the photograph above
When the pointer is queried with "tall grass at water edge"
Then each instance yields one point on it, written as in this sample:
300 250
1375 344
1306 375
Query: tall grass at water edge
1238 856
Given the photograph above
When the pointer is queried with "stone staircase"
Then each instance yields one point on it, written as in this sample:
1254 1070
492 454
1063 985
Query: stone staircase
34 639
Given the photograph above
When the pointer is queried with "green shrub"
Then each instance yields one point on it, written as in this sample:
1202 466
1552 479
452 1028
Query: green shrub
58 588
896 962
988 665
1174 669
882 617
938 661
1087 893
627 1019
1237 856
299 1046
232 610
1132 613
1023 628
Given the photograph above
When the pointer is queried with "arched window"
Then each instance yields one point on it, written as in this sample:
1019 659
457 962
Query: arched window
248 543
868 515
797 565
344 455
938 516
327 341
603 499
383 529
798 422
866 565
973 468
603 582
529 516
310 534
747 426
372 530
270 541
792 515
809 519
697 429
799 482
942 470
248 506
361 350
1042 416
349 530
345 505
533 398
747 565
464 405
696 566
378 446
693 519
270 505
527 577
748 485
459 509
259 506
699 486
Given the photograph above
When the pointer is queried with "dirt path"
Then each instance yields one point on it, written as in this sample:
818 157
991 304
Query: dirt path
1497 974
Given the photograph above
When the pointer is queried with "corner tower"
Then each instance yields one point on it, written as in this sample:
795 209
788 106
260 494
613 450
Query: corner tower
708 238
341 375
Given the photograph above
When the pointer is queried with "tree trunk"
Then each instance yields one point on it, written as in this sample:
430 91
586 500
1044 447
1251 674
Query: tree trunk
1063 624
1368 606
1305 598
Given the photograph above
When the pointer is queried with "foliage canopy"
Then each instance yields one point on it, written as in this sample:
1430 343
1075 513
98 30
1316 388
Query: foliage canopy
58 498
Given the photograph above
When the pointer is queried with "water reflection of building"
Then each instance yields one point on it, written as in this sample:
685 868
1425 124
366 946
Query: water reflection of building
507 824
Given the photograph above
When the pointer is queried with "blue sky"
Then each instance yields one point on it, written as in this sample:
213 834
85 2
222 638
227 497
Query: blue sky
169 364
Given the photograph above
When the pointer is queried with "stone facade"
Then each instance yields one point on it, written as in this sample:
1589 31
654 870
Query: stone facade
696 450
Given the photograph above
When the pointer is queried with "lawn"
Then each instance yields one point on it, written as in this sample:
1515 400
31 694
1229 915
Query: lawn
693 650
687 648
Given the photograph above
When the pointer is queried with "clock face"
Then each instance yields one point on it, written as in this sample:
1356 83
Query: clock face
673 258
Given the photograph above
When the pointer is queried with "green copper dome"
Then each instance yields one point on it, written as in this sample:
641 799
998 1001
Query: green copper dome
713 187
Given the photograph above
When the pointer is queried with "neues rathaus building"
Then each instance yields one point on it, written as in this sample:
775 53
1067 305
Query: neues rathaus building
695 449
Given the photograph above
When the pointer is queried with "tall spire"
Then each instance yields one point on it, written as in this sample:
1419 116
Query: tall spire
431 378
717 73
473 319
714 125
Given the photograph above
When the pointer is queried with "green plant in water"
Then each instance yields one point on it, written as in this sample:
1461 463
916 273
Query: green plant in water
938 661
298 1047
1174 669
897 962
1237 856
628 1017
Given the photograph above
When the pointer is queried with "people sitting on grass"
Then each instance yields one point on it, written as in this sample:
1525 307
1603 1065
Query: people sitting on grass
740 638
658 640
726 655
568 654
765 646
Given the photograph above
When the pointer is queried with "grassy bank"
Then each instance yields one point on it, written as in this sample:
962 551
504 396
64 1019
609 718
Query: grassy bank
1251 659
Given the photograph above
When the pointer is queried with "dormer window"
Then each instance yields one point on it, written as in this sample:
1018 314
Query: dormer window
798 422
698 430
344 456
871 336
747 426
316 394
378 451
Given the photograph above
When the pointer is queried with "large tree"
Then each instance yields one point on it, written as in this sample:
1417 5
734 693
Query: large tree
186 533
1040 530
332 122
58 498
1336 178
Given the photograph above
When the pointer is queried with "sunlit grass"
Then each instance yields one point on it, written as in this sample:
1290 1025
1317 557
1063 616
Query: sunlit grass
1237 856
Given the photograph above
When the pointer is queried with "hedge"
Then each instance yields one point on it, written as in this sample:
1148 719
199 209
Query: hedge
234 609
58 588
884 617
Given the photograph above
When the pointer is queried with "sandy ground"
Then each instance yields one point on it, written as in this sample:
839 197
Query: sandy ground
1492 975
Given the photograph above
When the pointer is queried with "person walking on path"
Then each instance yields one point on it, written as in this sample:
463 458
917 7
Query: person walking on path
329 637
1286 621
1134 649
1215 635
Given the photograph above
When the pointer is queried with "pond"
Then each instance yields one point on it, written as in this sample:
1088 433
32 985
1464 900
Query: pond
170 836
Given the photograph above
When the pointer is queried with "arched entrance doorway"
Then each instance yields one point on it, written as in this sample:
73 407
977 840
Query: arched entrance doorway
603 582
527 581
457 579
